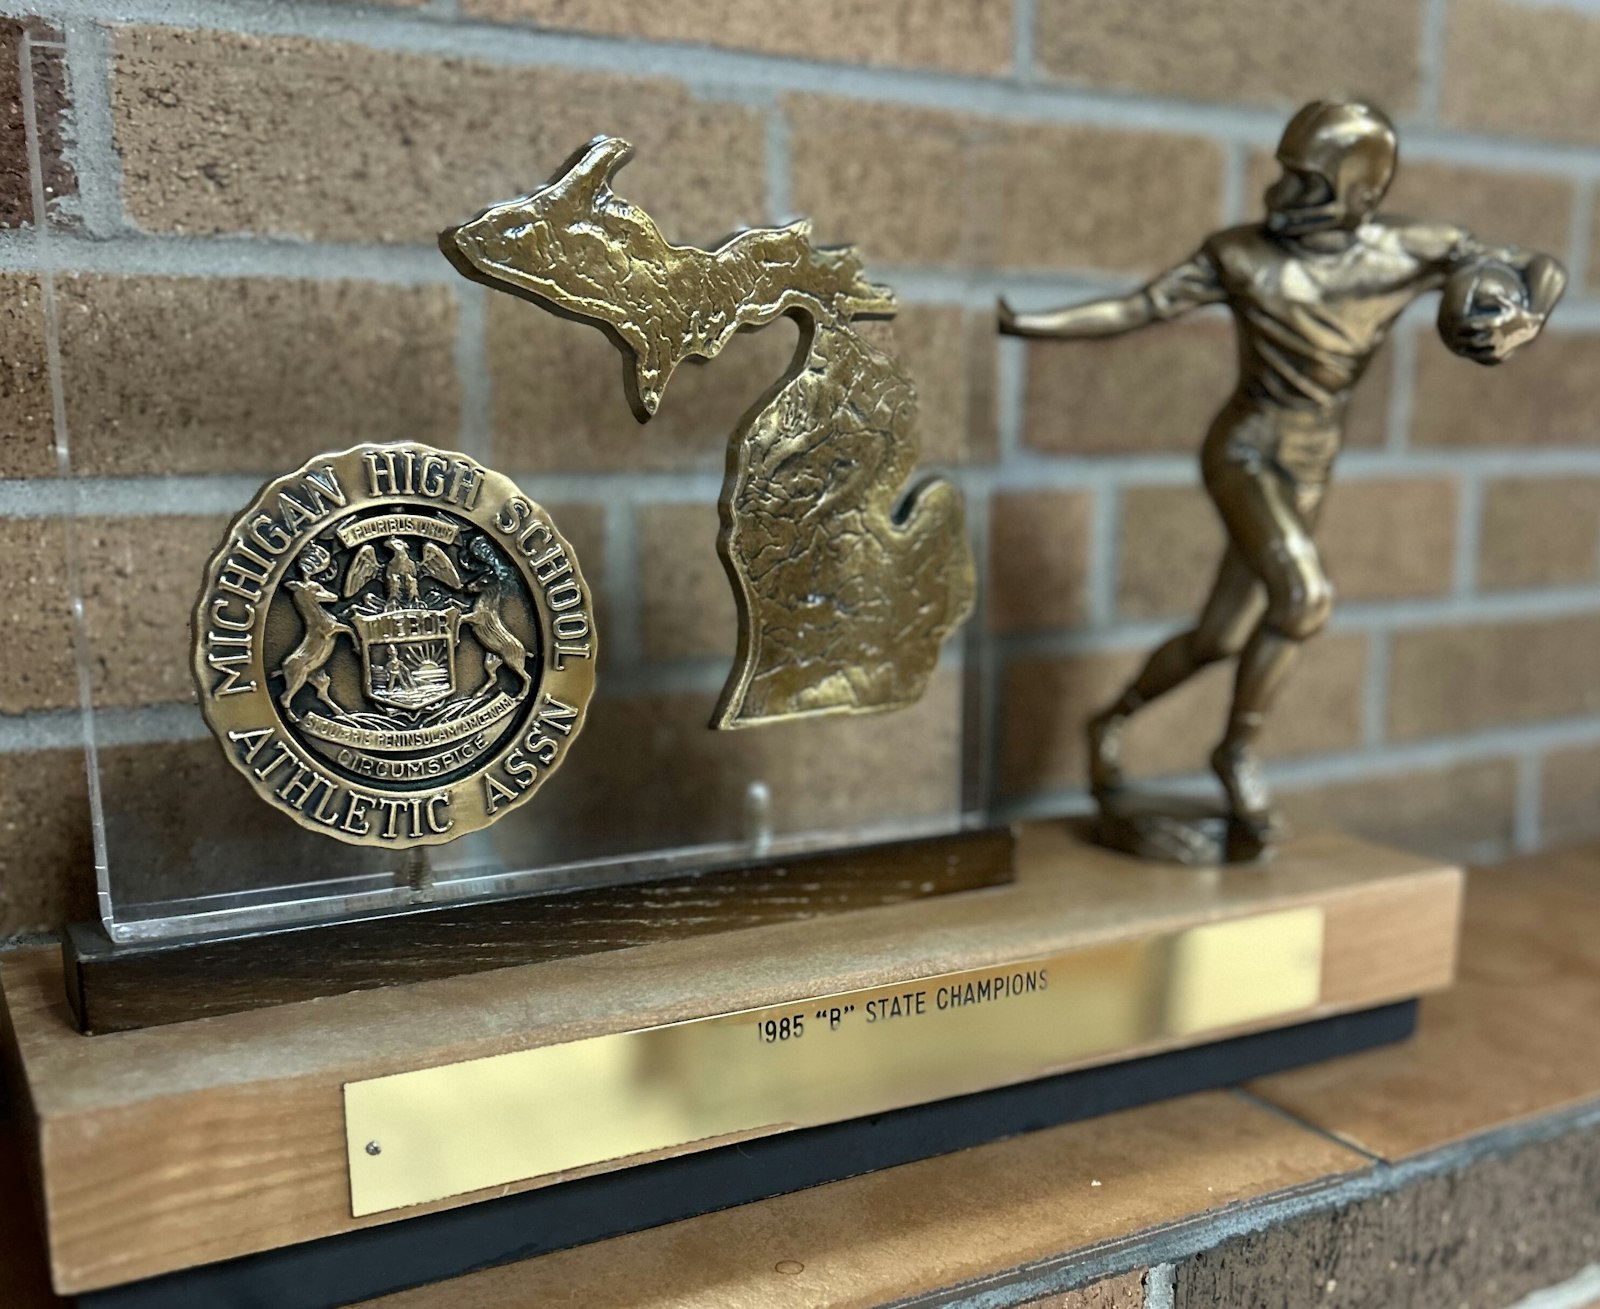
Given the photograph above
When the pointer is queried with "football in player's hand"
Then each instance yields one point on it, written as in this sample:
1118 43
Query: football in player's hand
1483 312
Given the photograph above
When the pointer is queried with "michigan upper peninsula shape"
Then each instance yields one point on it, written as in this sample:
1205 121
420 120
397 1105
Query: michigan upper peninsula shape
846 583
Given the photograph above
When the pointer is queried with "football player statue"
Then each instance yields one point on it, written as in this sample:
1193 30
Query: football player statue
1314 289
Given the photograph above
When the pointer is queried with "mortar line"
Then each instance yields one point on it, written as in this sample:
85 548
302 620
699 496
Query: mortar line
1402 390
1527 816
1025 466
129 252
209 494
1024 25
1002 97
1352 618
1468 534
1375 693
139 494
1235 175
1161 1286
691 486
473 375
1010 388
54 729
1430 59
94 155
779 164
1105 521
1578 247
624 644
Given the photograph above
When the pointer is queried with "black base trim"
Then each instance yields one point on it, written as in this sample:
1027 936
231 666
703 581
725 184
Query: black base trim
340 1270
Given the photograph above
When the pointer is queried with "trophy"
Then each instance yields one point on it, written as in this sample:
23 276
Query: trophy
415 970
1313 290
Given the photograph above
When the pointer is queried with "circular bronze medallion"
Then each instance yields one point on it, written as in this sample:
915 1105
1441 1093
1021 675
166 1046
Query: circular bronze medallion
394 645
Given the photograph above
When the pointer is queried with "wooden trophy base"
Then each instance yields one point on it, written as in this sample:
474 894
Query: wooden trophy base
312 1154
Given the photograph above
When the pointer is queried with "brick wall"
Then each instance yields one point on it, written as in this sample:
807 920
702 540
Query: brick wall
190 215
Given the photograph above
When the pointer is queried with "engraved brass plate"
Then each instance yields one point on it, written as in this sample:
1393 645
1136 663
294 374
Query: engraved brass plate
394 645
439 1132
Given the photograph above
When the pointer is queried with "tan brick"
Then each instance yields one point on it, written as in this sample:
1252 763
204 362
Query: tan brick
51 104
1125 1292
290 137
1156 391
1031 187
1544 396
920 186
1540 531
1532 210
1038 559
948 34
1463 678
559 402
950 355
1148 392
1594 236
649 774
186 375
27 436
141 577
1169 543
1047 701
1379 540
1512 67
685 601
1571 791
1260 51
893 181
1367 418
1452 813
46 855
36 664
1388 539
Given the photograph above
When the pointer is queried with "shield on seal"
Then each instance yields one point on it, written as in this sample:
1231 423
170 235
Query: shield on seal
408 656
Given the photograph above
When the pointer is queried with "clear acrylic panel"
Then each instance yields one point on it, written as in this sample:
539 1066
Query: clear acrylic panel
184 846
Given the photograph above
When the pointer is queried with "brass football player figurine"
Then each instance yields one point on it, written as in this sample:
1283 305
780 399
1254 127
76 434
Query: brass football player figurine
1314 289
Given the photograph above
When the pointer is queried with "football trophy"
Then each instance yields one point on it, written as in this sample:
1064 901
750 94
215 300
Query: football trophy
1314 289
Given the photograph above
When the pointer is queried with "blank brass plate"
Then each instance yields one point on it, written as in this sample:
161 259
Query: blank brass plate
439 1132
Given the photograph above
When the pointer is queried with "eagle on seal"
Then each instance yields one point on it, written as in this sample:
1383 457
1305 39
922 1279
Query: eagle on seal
402 573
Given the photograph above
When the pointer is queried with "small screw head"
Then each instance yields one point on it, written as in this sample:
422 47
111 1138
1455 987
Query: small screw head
374 1148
